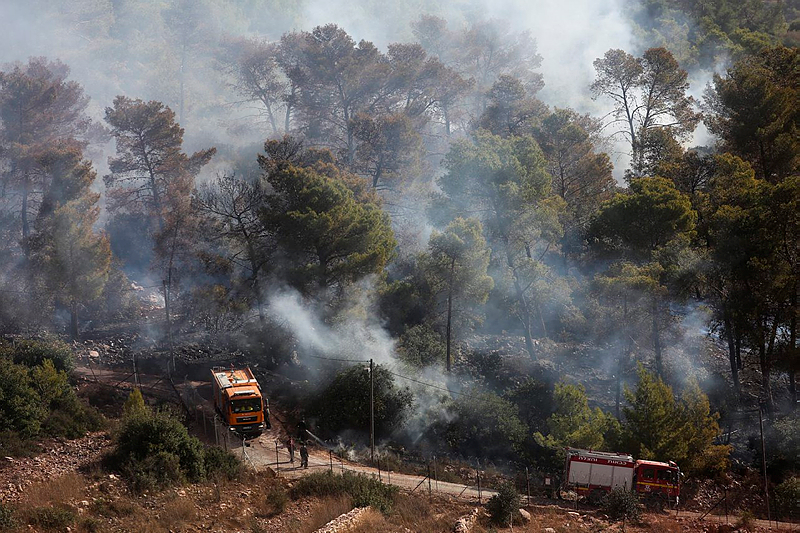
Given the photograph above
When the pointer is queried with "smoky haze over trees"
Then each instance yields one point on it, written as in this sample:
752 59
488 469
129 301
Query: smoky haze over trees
460 190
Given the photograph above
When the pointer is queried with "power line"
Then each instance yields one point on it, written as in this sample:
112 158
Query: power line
444 389
364 361
360 361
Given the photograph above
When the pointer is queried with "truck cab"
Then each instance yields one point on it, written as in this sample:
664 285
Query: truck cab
239 402
657 482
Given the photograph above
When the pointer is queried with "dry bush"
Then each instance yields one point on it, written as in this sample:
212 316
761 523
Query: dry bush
112 508
323 512
272 503
177 512
408 510
59 490
372 521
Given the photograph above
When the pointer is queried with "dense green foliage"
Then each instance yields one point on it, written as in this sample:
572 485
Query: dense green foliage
504 505
661 426
622 504
574 423
344 402
154 450
364 490
36 398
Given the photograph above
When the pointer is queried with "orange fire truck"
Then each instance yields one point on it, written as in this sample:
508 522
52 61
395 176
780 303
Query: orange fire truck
238 401
593 474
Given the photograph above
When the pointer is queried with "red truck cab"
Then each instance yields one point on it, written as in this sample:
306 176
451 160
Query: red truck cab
659 482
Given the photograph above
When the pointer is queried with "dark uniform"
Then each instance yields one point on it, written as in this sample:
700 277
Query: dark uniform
303 455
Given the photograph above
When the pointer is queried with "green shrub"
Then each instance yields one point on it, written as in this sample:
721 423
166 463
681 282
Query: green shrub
343 402
787 495
32 353
154 450
7 520
221 464
112 508
153 472
134 405
421 346
364 490
504 505
621 503
275 501
39 399
52 518
486 425
90 524
21 409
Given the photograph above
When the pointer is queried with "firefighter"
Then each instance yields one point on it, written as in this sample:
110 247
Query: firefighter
303 455
302 430
290 447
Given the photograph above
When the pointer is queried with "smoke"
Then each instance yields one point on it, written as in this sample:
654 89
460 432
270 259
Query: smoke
356 338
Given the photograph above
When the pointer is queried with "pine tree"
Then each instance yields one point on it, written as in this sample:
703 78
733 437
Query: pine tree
574 423
70 259
456 265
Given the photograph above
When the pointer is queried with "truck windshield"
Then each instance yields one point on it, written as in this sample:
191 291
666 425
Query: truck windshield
248 405
668 476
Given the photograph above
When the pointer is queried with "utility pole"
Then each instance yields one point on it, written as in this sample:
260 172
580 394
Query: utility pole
166 283
372 411
764 462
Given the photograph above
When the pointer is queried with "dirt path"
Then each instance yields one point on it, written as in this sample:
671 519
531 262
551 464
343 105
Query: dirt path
262 452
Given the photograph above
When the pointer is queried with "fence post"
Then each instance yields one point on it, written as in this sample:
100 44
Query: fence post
528 484
479 487
435 475
277 459
330 456
430 496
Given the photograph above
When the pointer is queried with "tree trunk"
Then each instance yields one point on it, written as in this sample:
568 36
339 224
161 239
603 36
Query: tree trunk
737 389
182 81
449 328
622 361
450 312
738 337
794 357
657 339
446 121
764 365
26 230
73 322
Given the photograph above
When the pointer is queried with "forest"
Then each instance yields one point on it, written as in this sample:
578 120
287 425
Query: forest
609 264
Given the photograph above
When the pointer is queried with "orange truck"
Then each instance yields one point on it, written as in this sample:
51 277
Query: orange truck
239 402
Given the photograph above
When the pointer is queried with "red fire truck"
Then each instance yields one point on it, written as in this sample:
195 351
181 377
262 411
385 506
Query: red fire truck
594 474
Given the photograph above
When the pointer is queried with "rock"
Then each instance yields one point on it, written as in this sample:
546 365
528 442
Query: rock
94 354
573 513
526 516
549 530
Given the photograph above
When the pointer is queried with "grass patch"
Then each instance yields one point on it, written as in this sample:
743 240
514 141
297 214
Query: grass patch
321 513
59 490
365 491
177 512
51 518
7 519
112 508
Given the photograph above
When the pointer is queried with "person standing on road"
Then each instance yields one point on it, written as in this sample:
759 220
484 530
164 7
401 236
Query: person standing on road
290 447
303 455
